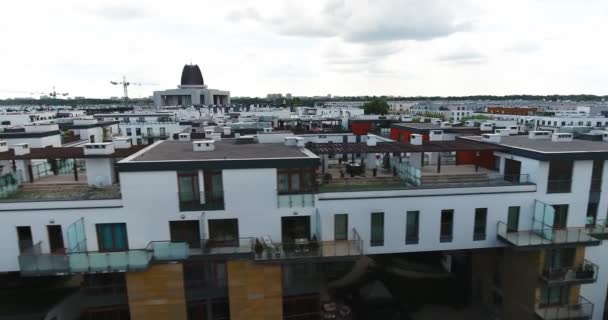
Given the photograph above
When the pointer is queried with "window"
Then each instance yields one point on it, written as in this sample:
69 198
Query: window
128 131
513 219
560 176
163 132
55 238
138 131
294 181
554 295
377 230
560 219
558 259
591 214
341 227
479 228
138 141
412 227
447 224
189 195
24 236
214 190
149 131
596 175
112 236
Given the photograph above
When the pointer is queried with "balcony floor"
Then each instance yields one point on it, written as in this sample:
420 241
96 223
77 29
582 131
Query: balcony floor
531 238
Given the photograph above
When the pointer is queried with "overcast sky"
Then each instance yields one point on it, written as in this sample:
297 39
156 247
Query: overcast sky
339 47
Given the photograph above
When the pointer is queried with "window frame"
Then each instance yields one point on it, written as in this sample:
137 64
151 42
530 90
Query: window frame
301 173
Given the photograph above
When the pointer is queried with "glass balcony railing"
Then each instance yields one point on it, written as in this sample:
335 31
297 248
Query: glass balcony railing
227 246
585 272
581 310
599 229
191 201
169 251
296 200
545 236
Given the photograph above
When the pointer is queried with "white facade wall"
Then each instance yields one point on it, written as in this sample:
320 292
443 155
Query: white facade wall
39 142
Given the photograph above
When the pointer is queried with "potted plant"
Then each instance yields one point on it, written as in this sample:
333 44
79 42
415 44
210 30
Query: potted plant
259 248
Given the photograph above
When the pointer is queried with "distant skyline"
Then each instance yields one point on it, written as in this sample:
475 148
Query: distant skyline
338 47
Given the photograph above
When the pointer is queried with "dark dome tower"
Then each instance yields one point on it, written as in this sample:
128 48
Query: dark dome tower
192 76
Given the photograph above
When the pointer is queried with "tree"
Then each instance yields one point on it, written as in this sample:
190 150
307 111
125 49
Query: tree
376 106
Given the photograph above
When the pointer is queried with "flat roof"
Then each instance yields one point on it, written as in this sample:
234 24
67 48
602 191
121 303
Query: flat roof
548 146
401 147
224 150
429 126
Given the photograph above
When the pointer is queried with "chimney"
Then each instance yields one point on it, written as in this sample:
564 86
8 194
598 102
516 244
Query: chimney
486 126
416 139
503 132
203 145
21 149
514 129
562 137
371 140
98 148
539 135
3 146
183 137
436 135
267 130
227 130
491 137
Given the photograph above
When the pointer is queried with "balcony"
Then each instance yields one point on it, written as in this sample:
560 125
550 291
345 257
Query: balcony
224 247
408 177
310 249
581 310
544 237
580 274
599 229
295 200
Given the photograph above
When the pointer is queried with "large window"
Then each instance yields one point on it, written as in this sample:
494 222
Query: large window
377 230
294 181
560 176
554 295
479 228
214 190
513 219
447 226
412 227
112 236
341 227
189 194
596 175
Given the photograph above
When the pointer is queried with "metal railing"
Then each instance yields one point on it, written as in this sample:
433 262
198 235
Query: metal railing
191 201
473 180
559 186
583 309
295 200
230 246
312 249
544 236
583 272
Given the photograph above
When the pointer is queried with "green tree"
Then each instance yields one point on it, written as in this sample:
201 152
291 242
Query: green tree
376 106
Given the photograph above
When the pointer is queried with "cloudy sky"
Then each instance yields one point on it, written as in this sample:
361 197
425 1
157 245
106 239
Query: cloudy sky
341 47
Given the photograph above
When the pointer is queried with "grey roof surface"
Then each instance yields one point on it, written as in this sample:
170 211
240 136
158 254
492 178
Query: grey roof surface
224 150
548 146
430 126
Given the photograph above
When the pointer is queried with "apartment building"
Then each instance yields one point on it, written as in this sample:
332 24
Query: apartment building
239 229
145 127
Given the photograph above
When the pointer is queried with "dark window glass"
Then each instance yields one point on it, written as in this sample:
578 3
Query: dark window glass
294 181
447 226
412 227
214 190
479 228
596 175
112 236
24 236
513 219
340 227
377 230
189 194
560 176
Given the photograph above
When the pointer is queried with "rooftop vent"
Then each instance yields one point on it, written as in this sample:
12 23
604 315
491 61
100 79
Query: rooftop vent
416 139
300 142
267 130
227 130
3 146
539 135
491 137
436 135
513 129
446 124
216 136
503 132
371 140
203 145
562 137
183 137
290 141
99 148
21 149
486 126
